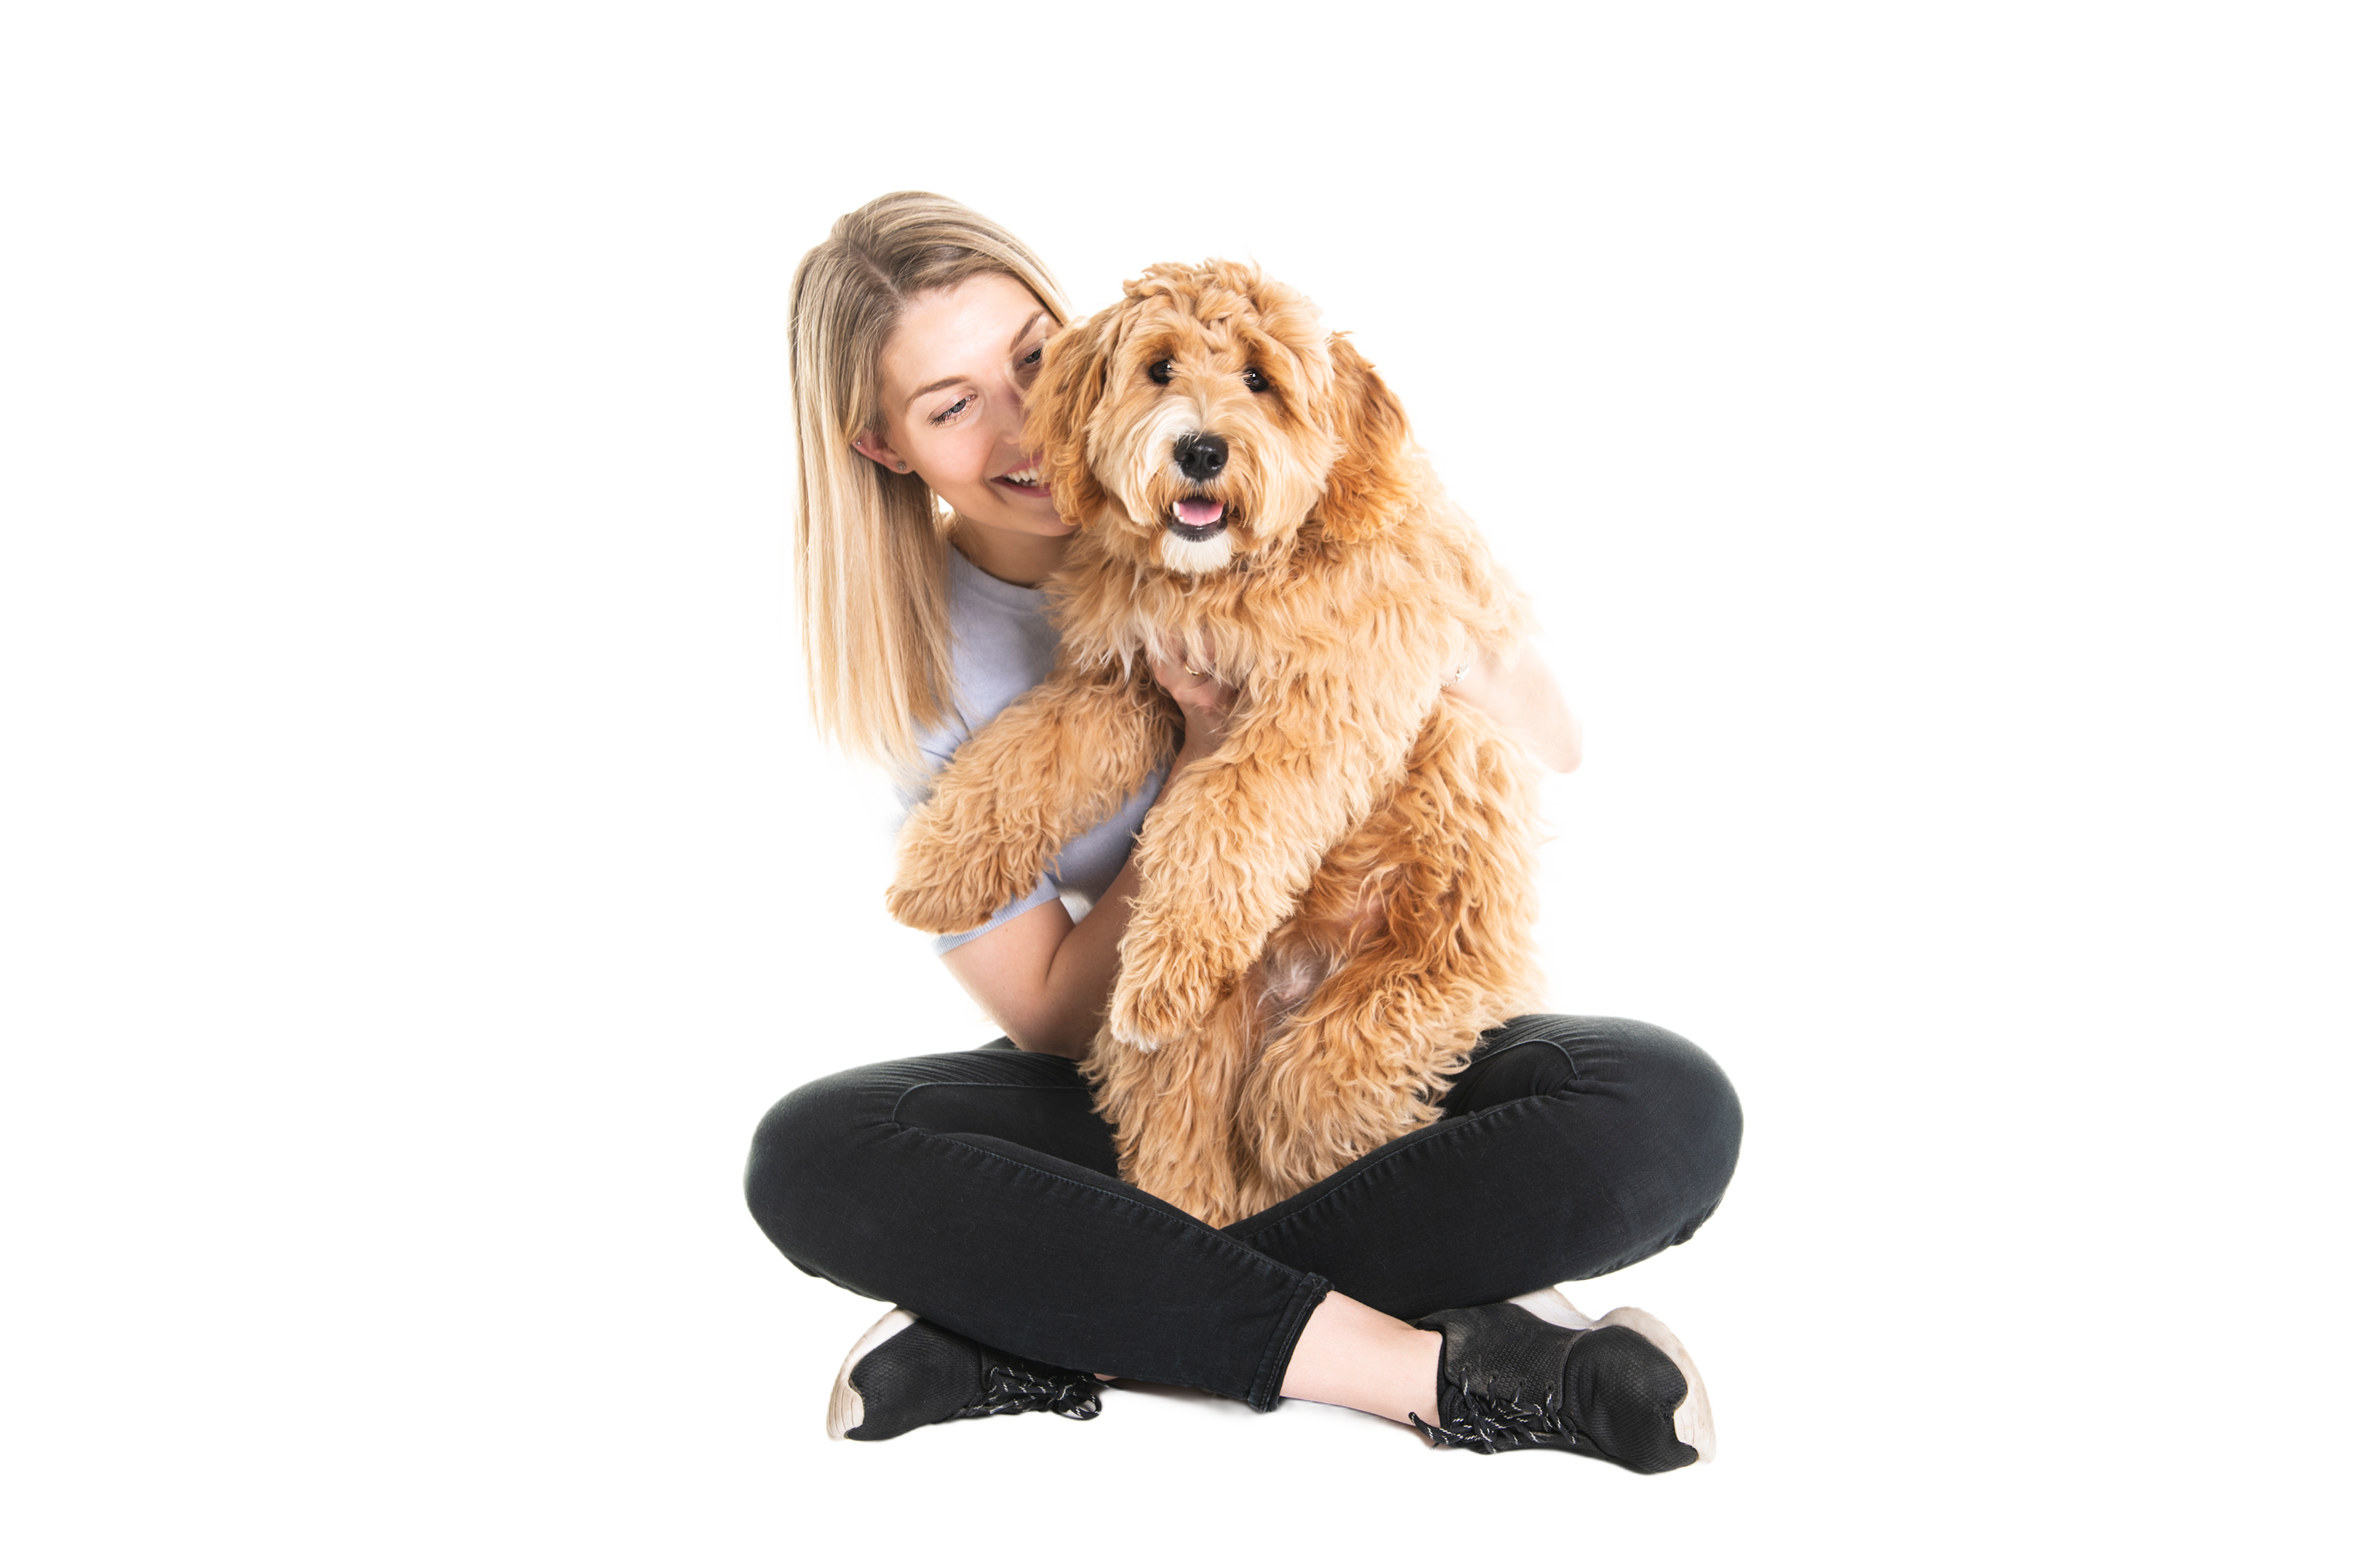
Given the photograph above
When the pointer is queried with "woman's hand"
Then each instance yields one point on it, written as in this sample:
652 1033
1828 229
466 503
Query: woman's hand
1523 696
1205 701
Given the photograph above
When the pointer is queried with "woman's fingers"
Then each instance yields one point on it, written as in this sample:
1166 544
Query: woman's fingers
1204 699
1170 671
1186 675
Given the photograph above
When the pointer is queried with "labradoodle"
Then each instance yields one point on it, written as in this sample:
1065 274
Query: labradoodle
1336 904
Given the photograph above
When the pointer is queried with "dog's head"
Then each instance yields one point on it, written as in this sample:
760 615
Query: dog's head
1206 417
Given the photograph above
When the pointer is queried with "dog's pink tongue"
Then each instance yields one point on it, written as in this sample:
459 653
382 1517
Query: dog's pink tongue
1197 511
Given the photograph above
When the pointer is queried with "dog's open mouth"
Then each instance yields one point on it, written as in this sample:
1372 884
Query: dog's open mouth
1196 518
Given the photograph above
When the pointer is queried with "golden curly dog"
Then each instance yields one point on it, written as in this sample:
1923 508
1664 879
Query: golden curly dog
1336 904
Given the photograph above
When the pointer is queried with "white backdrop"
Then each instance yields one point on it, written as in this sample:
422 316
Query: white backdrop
1936 440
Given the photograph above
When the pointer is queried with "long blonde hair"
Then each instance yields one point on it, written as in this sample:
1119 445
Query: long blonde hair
871 546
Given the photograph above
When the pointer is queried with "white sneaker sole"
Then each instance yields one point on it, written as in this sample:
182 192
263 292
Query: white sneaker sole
1694 1420
846 1408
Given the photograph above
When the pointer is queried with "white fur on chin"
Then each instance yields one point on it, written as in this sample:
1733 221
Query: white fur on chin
1196 557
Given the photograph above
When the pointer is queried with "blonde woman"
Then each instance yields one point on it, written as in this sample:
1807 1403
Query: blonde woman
976 1189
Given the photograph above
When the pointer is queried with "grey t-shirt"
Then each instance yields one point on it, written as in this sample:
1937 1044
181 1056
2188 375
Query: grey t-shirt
1003 646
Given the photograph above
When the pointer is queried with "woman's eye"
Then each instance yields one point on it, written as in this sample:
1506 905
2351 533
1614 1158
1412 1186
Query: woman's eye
1031 360
1159 372
1255 381
952 410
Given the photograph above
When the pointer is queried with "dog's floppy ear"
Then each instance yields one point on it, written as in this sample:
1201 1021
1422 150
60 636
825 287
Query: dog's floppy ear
1372 481
1071 381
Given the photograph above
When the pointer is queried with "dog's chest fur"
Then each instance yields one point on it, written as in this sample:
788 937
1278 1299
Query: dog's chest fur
1296 608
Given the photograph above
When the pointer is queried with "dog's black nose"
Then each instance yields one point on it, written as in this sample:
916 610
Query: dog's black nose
1201 456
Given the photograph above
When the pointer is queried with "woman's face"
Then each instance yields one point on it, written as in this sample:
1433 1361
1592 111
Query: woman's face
953 376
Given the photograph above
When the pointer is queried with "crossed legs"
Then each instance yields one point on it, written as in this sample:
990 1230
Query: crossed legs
978 1190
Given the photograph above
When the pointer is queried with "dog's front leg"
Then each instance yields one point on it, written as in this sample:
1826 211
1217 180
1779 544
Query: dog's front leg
1055 763
1240 834
1175 1113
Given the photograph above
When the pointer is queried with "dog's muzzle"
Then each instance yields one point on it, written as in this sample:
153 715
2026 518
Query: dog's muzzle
1195 518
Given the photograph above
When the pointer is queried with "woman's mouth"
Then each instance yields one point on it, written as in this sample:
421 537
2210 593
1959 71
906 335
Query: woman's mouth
1023 480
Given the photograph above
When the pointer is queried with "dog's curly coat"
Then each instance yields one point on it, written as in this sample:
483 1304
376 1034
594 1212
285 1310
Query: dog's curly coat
1339 901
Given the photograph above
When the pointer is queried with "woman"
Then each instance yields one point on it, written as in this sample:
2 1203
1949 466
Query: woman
977 1189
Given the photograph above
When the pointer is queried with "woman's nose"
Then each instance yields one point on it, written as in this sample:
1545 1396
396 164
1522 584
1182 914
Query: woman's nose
1010 401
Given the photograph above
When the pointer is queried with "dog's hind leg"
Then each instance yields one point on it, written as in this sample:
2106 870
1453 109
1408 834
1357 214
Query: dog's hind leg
1445 953
1058 760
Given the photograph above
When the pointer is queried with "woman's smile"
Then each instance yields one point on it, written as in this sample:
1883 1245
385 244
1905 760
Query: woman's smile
1025 481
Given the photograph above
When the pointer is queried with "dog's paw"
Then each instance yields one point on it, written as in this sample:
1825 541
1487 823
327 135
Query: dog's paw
1164 992
1131 1035
947 897
939 911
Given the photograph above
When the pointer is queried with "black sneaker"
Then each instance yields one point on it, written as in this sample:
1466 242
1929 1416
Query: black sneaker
906 1372
1621 1389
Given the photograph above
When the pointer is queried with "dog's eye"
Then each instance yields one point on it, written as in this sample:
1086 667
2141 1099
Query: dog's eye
1255 381
1159 372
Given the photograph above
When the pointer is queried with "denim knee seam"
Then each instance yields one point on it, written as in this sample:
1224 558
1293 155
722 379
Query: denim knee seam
898 1106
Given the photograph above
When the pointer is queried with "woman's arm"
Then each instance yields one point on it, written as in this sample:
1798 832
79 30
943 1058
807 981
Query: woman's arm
1525 699
1043 979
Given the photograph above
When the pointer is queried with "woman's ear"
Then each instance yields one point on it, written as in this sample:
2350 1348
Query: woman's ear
1372 480
1063 405
868 445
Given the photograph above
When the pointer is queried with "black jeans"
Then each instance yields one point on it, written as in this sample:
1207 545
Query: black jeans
977 1189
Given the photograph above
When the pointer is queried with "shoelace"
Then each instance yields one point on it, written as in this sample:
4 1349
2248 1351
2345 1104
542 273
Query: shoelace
1011 1388
1488 1420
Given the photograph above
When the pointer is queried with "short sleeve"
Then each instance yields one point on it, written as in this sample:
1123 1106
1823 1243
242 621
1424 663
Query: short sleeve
1045 892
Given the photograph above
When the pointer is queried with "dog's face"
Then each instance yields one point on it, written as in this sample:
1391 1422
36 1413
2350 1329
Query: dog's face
1204 418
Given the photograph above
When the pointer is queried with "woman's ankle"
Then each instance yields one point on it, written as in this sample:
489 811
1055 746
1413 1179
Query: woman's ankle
1354 1356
